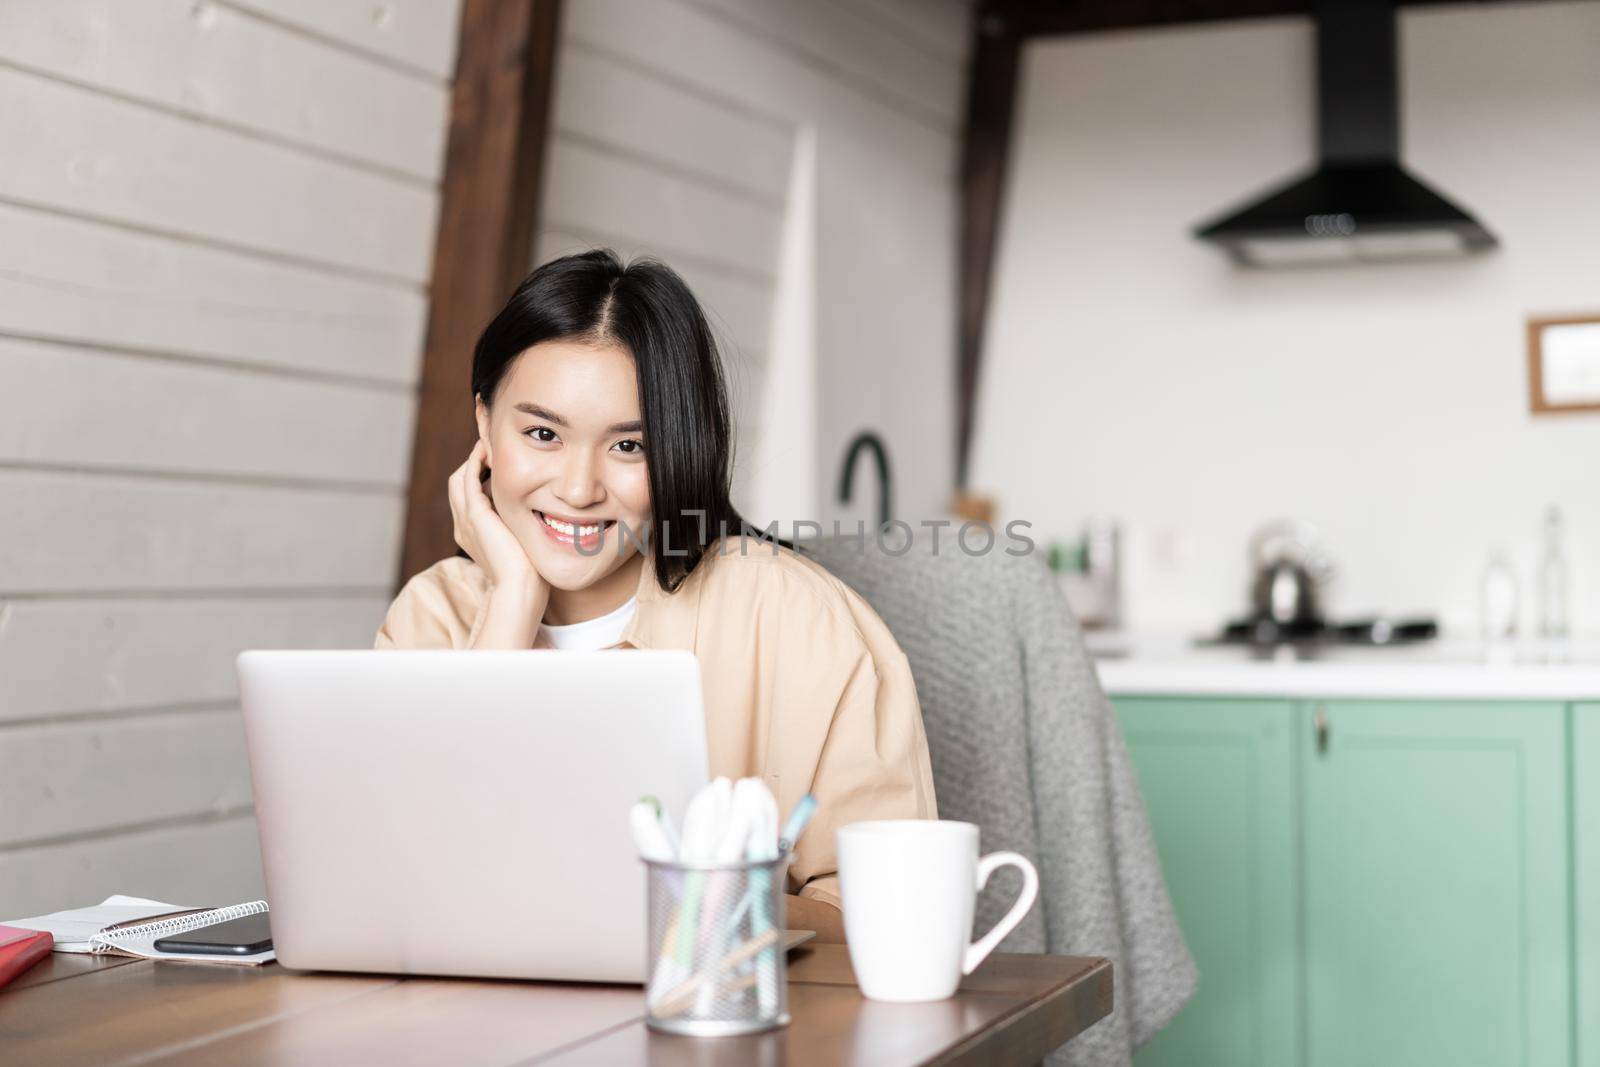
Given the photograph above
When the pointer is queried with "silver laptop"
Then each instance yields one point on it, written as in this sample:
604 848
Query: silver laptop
465 813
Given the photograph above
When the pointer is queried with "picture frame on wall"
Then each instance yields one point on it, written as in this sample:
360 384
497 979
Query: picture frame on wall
1564 364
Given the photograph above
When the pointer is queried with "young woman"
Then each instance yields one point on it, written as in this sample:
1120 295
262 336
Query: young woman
593 512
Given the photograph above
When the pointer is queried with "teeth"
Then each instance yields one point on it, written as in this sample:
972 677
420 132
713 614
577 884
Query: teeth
567 527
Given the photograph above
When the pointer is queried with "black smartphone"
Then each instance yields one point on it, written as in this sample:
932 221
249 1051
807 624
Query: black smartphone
236 937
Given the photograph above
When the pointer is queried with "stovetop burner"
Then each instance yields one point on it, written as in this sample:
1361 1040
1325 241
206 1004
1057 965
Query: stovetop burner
1379 631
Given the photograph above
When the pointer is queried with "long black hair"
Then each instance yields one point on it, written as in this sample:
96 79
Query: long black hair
645 307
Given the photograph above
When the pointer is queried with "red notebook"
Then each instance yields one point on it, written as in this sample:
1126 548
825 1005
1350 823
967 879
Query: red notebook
21 949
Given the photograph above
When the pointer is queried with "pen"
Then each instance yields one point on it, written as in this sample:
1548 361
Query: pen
707 811
763 845
667 829
743 816
664 817
798 818
652 843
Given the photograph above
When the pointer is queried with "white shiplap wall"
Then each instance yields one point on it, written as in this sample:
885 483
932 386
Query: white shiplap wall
674 125
216 221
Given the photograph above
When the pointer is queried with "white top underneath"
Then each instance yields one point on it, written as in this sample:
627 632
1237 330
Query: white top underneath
591 634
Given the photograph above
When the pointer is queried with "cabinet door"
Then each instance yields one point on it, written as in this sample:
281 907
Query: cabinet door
1436 884
1218 779
1586 878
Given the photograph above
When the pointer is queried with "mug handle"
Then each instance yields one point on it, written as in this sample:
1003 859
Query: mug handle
979 950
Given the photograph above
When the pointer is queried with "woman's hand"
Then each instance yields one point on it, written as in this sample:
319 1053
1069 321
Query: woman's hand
518 592
481 531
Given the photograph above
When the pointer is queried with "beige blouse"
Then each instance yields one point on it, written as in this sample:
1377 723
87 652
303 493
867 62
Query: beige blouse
804 685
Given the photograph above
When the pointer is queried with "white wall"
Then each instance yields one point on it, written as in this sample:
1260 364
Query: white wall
216 225
675 122
1132 372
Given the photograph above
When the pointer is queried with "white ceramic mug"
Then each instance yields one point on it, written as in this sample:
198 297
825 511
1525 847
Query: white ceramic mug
909 886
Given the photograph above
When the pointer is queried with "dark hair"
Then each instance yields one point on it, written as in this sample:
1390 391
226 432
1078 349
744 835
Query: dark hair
647 309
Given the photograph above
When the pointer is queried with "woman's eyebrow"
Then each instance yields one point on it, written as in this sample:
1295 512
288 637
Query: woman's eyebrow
540 413
636 426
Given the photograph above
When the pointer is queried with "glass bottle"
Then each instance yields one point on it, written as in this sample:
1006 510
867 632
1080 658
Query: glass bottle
1499 598
1553 621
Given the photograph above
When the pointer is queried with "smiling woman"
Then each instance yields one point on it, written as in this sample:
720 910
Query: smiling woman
570 383
564 443
593 512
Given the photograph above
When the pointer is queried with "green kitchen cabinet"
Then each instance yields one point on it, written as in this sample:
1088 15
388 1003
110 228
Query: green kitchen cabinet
1586 880
1436 885
1378 882
1218 777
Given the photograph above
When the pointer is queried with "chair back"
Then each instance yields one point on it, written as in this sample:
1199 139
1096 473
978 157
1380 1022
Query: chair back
952 614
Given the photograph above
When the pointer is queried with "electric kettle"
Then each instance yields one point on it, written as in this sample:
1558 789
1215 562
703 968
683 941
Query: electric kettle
1290 568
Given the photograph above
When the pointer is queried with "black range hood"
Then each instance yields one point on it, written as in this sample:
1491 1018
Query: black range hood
1359 203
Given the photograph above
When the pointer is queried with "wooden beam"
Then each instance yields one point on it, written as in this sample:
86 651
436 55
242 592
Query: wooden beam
1035 18
499 116
985 147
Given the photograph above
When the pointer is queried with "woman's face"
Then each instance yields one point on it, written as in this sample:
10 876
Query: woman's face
566 446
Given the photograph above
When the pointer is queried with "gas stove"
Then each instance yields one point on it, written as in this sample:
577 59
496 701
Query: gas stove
1370 632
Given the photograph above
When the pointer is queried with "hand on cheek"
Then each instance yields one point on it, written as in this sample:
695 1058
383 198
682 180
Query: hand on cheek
479 529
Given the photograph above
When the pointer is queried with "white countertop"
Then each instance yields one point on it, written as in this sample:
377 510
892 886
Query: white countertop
1167 664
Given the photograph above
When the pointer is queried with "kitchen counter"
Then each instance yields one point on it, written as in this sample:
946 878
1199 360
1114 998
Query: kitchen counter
1172 664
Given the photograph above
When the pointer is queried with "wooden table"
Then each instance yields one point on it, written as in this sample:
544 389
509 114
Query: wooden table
74 1009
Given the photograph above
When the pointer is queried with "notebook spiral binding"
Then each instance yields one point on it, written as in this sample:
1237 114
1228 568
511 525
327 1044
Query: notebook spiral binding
106 940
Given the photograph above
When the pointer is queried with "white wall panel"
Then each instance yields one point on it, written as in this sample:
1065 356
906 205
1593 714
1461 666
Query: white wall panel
630 199
103 655
701 48
207 864
417 33
95 155
601 97
216 222
85 533
840 42
214 62
940 28
84 281
71 778
138 414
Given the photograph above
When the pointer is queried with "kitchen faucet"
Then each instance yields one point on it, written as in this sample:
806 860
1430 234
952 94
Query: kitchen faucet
867 441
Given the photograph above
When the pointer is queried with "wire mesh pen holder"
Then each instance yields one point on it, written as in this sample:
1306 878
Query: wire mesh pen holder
715 958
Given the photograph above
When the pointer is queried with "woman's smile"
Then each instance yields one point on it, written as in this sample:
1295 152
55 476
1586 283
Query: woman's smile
568 531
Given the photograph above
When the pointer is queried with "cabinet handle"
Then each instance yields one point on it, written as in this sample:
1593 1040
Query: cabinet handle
1322 730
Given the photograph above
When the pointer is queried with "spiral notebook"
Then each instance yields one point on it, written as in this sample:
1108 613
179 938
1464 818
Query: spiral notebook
130 926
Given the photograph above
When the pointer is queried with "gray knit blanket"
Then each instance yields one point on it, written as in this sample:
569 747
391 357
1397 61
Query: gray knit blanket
1024 743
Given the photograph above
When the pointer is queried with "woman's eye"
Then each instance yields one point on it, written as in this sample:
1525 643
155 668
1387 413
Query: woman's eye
543 434
630 447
